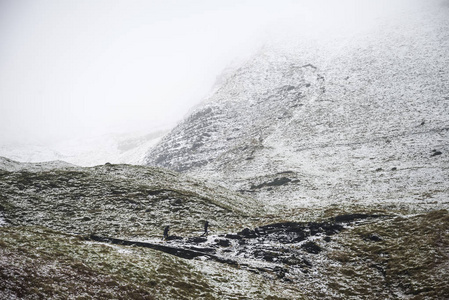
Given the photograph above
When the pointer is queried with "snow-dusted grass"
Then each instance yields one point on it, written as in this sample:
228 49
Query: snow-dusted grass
10 165
121 201
37 262
137 202
2 220
403 257
40 263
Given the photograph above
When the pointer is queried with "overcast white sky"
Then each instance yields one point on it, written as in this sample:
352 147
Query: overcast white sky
82 67
88 67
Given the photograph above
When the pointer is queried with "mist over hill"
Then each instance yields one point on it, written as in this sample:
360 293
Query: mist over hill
128 147
361 118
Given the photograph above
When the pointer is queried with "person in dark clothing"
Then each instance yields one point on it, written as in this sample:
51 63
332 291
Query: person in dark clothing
206 225
167 228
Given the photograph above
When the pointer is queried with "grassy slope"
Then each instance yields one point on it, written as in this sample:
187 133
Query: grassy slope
38 263
121 201
410 259
398 258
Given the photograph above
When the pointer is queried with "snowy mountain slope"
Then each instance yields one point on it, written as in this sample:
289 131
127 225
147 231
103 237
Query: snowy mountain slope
363 119
129 148
14 166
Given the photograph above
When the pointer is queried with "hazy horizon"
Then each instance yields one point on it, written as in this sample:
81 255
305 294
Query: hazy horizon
80 68
92 67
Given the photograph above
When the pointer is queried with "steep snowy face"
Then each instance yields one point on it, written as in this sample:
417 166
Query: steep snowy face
356 121
245 110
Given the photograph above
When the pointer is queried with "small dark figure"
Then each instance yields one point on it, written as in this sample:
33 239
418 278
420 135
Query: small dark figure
206 224
167 228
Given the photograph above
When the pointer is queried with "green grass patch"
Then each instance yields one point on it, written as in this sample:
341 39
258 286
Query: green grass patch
403 255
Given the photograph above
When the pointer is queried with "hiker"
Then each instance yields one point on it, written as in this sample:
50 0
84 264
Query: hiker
167 228
206 224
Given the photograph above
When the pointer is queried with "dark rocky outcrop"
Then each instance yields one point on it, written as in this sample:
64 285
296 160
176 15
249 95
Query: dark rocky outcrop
436 152
223 242
275 182
196 240
270 244
372 237
311 247
247 233
353 217
180 252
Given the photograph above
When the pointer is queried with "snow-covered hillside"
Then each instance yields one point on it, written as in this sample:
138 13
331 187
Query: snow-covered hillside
354 119
15 166
129 148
